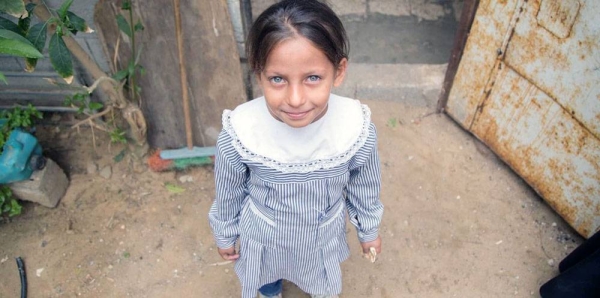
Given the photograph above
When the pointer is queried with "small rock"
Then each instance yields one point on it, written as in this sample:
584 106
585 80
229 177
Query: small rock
92 168
55 117
106 172
39 272
186 178
551 262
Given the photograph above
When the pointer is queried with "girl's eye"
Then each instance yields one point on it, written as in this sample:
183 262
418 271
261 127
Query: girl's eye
276 80
313 78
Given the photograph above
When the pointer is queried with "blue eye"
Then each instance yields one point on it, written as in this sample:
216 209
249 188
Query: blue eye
276 80
313 78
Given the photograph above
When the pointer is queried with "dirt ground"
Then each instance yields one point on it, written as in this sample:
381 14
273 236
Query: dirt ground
457 223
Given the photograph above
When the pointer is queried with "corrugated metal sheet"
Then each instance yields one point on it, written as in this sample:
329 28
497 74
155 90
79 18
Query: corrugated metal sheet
24 87
528 86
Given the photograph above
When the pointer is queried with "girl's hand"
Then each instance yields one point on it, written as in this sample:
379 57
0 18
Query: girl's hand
228 253
366 246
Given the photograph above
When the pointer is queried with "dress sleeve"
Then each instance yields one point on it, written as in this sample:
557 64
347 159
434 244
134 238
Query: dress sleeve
362 193
231 177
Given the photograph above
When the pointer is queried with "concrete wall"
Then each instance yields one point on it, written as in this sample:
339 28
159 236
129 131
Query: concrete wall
423 9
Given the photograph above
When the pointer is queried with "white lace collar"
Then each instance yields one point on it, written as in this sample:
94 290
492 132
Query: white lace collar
326 143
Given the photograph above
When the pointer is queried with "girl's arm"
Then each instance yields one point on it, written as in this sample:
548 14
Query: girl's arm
362 193
230 184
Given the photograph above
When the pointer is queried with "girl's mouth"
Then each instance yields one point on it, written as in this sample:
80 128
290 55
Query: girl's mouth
296 115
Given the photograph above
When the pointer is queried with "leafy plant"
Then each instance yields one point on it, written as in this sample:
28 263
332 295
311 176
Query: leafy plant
133 68
23 40
15 118
118 136
8 204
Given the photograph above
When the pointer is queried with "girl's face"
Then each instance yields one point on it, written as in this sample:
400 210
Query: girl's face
297 81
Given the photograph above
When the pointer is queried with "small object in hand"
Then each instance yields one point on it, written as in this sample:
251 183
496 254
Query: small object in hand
372 255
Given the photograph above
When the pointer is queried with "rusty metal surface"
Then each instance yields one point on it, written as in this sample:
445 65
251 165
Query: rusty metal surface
546 146
528 86
568 68
490 26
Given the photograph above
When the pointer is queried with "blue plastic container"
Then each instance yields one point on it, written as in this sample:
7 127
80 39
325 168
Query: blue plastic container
21 156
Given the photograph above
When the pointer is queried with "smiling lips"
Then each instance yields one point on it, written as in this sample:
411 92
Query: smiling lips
296 115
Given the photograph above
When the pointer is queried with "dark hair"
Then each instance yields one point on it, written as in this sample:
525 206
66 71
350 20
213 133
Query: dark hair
311 19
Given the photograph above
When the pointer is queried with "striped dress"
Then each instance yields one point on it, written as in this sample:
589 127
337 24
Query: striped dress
282 192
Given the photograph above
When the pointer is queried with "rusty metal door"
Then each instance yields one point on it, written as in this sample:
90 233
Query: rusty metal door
528 85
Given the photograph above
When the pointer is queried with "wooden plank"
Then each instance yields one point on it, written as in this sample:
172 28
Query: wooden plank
211 59
464 27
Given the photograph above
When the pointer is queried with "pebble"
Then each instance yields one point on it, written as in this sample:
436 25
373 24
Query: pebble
551 262
92 168
186 178
39 272
106 172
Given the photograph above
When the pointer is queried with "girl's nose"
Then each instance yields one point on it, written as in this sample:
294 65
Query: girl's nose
296 96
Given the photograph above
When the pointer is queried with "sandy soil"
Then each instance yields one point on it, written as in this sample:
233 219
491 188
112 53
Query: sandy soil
457 222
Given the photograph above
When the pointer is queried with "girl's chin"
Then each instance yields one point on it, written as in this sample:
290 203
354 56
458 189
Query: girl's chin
297 123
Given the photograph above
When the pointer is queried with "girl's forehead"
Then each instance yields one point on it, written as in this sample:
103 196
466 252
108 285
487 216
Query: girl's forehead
295 50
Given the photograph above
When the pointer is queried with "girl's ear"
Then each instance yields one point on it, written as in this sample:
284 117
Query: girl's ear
340 72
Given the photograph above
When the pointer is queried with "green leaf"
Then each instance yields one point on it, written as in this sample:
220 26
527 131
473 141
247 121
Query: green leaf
37 36
24 22
124 25
174 188
9 25
77 23
126 5
30 64
120 75
61 57
62 11
119 157
14 44
141 69
131 68
95 106
15 208
5 194
118 136
138 26
126 255
392 122
3 78
13 7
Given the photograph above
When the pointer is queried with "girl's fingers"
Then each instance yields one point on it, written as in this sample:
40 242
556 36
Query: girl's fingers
231 257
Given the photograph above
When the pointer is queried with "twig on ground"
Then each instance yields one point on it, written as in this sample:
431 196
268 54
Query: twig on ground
220 263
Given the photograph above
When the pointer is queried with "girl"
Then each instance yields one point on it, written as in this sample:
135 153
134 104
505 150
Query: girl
290 163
